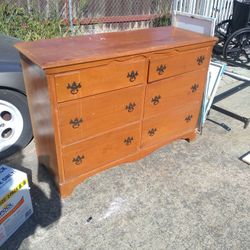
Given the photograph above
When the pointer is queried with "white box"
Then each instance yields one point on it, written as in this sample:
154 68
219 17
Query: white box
15 201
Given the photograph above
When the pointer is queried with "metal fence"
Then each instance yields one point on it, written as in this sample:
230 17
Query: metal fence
109 15
46 8
94 16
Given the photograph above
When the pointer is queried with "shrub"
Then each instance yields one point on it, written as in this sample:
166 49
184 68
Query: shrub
28 26
165 20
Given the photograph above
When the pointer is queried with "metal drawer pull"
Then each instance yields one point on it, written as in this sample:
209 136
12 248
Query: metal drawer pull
152 131
132 75
161 69
188 118
74 87
78 160
128 141
194 87
76 122
155 100
130 107
200 59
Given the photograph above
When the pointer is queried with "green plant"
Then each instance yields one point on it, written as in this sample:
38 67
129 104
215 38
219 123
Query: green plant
28 26
164 20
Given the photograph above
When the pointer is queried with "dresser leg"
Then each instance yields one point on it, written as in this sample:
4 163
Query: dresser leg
190 136
65 189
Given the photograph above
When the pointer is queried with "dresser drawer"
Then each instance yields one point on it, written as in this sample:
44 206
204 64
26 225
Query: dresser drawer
163 66
170 125
92 115
83 157
174 92
114 75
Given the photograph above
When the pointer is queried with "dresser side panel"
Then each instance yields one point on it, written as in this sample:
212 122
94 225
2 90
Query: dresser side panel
41 115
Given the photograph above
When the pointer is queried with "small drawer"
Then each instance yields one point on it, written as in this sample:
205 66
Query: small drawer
163 66
92 115
170 125
90 81
174 92
88 155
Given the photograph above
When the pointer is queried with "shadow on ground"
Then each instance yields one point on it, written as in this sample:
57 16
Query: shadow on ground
47 206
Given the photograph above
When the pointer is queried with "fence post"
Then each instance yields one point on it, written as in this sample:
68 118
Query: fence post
71 16
29 6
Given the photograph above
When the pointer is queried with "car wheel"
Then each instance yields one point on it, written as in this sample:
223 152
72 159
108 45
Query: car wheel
15 125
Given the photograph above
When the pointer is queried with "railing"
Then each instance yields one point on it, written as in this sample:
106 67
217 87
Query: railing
218 9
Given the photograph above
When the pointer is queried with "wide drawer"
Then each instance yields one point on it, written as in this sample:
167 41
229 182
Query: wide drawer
166 65
170 125
83 157
114 75
89 116
174 92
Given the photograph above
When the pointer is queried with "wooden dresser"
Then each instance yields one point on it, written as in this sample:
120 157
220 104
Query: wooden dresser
100 100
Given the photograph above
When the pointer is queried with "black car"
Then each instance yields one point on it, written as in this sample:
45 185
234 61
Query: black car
15 125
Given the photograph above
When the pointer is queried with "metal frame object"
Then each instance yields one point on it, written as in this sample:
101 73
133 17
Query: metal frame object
245 120
195 23
215 72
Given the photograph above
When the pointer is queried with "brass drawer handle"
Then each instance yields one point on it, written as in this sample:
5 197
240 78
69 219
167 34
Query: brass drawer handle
78 159
132 75
188 118
194 87
161 69
76 122
152 131
74 87
128 140
200 59
130 107
155 100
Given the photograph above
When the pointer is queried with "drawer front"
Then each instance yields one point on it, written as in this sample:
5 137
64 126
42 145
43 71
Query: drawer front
83 157
89 116
174 92
169 125
163 66
90 81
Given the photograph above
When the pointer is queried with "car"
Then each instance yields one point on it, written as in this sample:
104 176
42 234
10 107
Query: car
15 124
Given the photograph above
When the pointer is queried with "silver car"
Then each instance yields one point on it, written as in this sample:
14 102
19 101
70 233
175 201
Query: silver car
15 125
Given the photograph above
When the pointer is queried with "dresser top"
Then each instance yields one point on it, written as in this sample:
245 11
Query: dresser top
50 53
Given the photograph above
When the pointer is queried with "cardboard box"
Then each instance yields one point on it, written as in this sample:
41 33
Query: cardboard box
15 201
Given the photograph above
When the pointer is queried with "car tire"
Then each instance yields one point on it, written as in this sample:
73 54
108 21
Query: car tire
15 125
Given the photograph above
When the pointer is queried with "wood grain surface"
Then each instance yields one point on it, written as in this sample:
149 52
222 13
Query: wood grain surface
170 124
72 50
115 75
97 114
162 66
42 118
100 100
100 150
174 92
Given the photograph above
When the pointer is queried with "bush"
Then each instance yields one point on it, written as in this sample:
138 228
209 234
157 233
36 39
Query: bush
16 21
165 20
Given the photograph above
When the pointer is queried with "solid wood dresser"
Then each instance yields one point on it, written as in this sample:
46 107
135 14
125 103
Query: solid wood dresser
100 100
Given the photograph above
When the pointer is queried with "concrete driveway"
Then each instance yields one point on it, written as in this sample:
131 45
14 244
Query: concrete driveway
183 196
